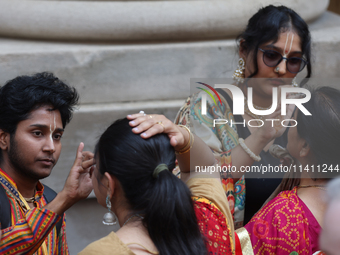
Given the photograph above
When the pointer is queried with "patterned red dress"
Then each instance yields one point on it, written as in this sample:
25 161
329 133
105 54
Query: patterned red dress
213 215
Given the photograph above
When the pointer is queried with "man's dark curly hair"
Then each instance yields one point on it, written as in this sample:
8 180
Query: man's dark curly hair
18 97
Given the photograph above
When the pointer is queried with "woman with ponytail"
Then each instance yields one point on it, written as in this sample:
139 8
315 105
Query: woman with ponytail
158 213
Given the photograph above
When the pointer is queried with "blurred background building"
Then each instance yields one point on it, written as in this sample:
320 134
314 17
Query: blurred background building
127 56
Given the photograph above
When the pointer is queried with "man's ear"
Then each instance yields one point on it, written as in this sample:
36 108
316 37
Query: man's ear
4 140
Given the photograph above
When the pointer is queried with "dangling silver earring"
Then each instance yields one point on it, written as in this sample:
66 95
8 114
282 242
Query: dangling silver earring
294 83
109 217
238 75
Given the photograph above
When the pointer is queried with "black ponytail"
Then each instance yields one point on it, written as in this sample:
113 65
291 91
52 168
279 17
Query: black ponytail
164 201
171 219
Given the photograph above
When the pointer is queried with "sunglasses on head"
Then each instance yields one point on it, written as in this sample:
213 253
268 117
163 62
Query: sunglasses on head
272 58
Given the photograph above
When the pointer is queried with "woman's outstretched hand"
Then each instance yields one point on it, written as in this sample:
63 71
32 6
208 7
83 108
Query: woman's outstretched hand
148 125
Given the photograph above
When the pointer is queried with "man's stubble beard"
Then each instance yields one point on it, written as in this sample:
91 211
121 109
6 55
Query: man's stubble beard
18 164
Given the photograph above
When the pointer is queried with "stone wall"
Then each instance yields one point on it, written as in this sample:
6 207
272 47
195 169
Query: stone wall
136 20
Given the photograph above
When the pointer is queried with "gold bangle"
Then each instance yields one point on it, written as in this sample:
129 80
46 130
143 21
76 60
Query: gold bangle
188 143
182 152
188 146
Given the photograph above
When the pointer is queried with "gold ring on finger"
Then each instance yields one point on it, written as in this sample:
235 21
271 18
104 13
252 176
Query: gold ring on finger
160 123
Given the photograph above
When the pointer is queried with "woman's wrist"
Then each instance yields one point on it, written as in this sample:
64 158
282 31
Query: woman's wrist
263 136
187 140
248 151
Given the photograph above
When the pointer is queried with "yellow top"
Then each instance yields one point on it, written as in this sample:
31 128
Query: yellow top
110 244
208 188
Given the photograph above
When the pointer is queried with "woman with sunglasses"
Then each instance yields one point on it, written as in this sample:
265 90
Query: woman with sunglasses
275 46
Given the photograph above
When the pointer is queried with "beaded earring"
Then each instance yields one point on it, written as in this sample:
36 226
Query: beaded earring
238 75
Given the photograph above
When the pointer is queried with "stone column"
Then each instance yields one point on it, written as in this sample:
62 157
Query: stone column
136 20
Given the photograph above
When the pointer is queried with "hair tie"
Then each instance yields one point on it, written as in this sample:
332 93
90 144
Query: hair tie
159 169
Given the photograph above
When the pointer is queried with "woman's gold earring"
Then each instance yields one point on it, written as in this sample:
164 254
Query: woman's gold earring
238 75
109 217
294 83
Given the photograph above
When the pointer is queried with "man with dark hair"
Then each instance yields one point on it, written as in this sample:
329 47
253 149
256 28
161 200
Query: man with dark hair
34 111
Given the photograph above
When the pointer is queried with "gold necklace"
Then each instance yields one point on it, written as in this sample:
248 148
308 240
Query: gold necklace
255 106
43 245
29 200
322 187
135 215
